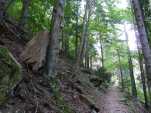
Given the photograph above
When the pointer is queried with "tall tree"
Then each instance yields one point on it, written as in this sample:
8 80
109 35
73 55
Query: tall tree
120 68
142 69
77 26
143 37
24 13
146 10
2 8
53 47
133 84
102 52
84 33
140 59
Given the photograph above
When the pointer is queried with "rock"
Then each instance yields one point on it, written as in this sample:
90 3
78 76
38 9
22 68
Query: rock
97 81
10 73
35 52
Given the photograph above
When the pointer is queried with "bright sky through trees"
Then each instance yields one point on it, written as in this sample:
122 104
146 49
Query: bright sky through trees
131 34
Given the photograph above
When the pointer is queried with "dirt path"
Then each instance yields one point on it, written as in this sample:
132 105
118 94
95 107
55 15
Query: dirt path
111 102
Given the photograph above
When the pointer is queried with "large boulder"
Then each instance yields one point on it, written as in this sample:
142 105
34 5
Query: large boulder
10 73
35 51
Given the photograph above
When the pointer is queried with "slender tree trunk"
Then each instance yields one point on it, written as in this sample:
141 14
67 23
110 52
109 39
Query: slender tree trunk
86 48
102 53
25 13
146 10
66 45
2 9
84 35
143 38
88 65
91 62
53 47
142 70
133 84
87 55
62 41
76 40
143 77
120 67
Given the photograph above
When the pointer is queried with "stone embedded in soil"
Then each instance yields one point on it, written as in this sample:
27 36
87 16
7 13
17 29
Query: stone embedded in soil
35 51
10 73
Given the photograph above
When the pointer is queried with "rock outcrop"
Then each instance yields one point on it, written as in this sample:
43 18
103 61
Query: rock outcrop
35 52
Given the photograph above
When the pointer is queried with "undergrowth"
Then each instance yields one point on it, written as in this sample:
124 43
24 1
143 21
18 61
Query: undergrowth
60 102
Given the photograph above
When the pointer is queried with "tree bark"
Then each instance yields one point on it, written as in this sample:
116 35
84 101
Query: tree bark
66 45
120 67
102 52
143 77
2 9
25 13
133 84
53 47
84 35
76 40
87 55
91 62
143 38
142 70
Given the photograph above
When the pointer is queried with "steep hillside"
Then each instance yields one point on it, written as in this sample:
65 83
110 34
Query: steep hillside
72 91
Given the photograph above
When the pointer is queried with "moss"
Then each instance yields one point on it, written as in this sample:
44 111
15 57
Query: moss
10 72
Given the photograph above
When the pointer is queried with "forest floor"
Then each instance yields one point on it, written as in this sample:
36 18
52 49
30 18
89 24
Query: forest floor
114 101
71 92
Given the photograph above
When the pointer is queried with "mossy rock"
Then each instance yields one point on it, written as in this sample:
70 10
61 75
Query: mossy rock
10 73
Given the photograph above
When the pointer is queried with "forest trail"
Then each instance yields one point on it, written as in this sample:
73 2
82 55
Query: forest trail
112 101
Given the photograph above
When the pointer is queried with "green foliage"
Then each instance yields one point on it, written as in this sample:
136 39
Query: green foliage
103 74
15 9
40 15
10 74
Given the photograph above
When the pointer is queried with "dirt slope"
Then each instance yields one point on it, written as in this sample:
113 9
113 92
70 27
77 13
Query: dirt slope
70 92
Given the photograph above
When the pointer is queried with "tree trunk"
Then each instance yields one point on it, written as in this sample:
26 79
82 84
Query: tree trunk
133 84
25 13
84 35
66 45
102 53
53 47
88 60
76 40
87 55
143 77
120 67
2 9
91 62
146 10
143 38
142 70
